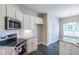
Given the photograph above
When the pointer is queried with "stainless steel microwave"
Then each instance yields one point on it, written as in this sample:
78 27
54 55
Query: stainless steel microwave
11 23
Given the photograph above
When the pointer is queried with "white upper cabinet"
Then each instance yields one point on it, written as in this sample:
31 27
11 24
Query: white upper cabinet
2 17
19 15
27 22
2 10
33 25
39 20
30 23
11 11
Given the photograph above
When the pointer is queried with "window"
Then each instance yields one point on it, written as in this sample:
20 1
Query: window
71 29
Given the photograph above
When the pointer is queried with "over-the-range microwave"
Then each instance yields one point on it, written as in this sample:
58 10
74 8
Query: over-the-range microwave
11 23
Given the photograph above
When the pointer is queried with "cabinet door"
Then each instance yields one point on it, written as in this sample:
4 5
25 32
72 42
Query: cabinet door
75 50
31 45
34 44
2 17
27 22
39 20
65 48
33 25
19 15
11 11
2 10
62 45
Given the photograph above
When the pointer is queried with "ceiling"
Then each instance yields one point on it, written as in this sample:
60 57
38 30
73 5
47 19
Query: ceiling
58 10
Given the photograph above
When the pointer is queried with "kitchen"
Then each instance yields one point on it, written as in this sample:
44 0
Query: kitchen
50 31
17 35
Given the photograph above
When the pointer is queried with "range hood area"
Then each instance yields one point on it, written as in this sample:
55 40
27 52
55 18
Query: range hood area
12 23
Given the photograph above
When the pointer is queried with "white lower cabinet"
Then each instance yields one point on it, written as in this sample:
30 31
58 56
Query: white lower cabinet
65 48
31 45
75 50
68 49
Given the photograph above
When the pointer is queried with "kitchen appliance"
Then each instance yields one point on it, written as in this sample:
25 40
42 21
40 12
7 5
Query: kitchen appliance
10 39
7 37
11 23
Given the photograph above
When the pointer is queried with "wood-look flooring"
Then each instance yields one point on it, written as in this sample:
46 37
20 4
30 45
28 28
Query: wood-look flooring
52 49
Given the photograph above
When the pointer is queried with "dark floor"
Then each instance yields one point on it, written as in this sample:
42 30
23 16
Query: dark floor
52 49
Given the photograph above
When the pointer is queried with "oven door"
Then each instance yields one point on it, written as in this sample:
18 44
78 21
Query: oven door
3 42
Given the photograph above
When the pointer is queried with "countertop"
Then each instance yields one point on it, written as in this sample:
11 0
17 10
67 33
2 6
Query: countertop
73 41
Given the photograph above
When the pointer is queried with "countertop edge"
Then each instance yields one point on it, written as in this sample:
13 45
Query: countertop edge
69 43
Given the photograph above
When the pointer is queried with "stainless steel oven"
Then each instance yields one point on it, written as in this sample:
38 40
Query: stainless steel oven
7 39
10 39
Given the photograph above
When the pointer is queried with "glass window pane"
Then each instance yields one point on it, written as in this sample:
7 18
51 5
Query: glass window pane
71 29
76 27
68 29
68 33
76 34
65 27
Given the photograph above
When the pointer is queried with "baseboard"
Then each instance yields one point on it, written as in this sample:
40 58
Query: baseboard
43 43
31 52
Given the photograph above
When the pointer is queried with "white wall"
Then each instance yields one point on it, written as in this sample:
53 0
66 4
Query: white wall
53 29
